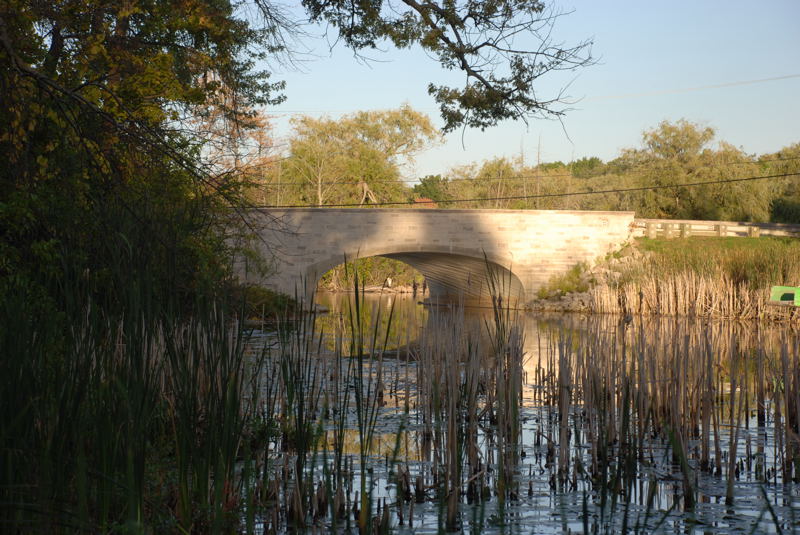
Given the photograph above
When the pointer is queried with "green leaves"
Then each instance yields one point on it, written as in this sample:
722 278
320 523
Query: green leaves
680 141
502 46
357 158
97 134
433 187
678 153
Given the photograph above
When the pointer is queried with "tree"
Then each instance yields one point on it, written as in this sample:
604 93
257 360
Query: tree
101 101
433 187
99 137
587 167
498 178
489 41
553 166
676 154
785 206
358 156
680 141
728 201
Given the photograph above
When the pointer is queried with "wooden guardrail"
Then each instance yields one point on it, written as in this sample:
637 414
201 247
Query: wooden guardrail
683 228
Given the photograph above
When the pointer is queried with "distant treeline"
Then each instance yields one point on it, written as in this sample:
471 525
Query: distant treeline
371 271
671 155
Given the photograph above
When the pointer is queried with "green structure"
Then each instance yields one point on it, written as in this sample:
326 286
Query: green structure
785 295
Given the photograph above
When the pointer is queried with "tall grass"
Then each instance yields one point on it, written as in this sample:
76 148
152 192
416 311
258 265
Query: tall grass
122 422
176 424
631 414
704 277
647 387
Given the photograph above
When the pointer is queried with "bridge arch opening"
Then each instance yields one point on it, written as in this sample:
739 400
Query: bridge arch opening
374 272
449 277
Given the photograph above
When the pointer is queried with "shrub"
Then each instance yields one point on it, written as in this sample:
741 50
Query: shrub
576 280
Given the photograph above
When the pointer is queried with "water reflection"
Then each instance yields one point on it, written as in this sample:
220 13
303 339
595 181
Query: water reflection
407 317
402 322
396 320
650 422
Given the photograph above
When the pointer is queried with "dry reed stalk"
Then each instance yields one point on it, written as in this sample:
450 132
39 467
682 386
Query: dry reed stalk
472 381
791 385
635 382
509 395
688 294
735 419
452 403
674 379
642 395
707 404
564 397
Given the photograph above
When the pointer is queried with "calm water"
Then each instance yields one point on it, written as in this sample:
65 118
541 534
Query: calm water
563 478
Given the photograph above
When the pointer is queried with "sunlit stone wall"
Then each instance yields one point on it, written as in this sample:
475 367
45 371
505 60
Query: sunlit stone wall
454 249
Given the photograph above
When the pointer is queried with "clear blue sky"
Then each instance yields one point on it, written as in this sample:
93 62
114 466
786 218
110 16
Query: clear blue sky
648 52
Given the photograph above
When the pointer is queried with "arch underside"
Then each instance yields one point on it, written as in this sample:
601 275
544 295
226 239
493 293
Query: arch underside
454 277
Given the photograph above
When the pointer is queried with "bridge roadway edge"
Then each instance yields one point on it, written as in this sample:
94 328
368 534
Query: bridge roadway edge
451 247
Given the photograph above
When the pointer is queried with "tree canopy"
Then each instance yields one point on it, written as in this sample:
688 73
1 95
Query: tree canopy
676 172
502 46
354 159
678 153
432 187
99 100
114 114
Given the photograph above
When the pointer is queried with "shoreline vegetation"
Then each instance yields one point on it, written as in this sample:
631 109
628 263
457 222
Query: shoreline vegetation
155 423
705 277
136 137
723 278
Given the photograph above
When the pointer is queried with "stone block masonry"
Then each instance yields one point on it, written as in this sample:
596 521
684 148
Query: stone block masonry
460 252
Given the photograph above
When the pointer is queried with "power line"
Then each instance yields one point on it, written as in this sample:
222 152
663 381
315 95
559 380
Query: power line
691 89
541 196
513 177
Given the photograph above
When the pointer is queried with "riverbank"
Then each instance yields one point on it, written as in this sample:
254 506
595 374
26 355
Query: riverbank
699 277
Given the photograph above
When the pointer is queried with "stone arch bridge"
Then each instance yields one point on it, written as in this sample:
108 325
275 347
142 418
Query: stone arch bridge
461 253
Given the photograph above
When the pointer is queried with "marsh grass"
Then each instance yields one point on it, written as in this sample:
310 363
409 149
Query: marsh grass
676 391
193 425
122 422
704 277
624 410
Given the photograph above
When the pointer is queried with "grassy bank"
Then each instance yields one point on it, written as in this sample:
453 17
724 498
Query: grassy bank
706 277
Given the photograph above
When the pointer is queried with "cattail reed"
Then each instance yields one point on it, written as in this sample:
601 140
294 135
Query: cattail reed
339 426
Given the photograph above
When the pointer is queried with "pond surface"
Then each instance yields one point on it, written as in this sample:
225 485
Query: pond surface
476 420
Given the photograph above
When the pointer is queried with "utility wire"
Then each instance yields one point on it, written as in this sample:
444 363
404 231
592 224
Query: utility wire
691 89
588 98
513 177
541 196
